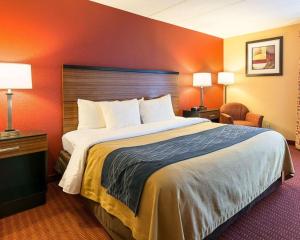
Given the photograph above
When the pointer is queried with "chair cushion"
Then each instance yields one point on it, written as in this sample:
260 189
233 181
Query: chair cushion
245 123
237 111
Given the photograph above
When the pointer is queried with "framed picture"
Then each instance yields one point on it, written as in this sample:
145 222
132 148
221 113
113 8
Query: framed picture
264 57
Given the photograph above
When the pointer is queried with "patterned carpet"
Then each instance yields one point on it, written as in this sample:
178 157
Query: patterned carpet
62 218
65 218
276 217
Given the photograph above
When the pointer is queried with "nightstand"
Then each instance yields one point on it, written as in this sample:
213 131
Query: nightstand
211 114
23 168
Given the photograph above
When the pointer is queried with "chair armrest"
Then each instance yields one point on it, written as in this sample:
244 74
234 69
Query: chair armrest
225 118
255 118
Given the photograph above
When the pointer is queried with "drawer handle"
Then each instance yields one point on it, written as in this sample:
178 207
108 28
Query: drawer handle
213 115
9 149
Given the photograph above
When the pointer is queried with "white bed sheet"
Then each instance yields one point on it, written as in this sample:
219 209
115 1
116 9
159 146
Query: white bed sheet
72 139
78 142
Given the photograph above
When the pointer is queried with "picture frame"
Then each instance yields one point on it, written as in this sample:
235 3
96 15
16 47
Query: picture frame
264 57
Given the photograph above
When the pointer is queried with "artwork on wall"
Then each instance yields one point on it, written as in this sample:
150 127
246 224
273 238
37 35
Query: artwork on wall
264 57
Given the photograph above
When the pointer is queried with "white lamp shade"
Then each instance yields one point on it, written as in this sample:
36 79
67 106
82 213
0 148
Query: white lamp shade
202 79
15 76
225 78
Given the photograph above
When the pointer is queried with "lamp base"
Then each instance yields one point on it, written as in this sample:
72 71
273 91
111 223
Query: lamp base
9 133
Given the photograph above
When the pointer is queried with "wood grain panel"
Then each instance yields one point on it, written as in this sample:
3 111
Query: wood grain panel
210 114
21 146
104 84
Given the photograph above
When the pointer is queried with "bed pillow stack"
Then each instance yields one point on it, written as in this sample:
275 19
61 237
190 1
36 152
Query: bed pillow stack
158 109
89 115
120 114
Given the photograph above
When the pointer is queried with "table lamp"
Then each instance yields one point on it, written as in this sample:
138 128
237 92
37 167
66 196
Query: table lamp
13 76
202 80
225 78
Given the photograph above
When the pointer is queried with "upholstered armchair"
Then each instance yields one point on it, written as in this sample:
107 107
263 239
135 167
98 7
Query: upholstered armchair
237 113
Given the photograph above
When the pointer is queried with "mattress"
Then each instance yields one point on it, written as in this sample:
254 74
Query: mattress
72 139
118 231
83 140
197 192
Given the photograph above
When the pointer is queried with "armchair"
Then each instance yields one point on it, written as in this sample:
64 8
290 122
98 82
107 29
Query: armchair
238 114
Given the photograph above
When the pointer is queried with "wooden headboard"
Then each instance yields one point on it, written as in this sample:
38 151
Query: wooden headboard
106 83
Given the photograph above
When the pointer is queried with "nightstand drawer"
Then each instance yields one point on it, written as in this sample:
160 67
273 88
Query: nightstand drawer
210 115
23 168
21 146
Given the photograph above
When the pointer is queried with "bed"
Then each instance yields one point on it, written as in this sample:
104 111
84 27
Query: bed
194 198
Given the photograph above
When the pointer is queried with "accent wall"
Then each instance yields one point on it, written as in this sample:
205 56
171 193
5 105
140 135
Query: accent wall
50 33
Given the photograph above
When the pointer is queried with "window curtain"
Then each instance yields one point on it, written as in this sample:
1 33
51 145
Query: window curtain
298 111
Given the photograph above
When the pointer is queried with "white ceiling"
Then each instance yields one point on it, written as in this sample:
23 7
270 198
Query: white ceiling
222 18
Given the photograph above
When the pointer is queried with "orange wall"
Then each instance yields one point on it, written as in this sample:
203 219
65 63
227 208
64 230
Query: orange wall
50 33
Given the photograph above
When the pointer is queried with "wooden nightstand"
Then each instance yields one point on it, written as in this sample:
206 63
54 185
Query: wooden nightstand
23 168
212 114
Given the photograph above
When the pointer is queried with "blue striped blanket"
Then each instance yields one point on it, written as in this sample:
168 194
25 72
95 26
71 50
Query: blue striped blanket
126 170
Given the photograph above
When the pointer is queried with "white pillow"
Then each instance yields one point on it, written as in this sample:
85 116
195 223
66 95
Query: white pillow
159 109
89 115
121 114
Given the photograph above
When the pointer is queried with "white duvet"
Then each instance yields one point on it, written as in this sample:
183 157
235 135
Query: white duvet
78 143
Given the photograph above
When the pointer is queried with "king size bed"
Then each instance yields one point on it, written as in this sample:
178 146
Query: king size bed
172 179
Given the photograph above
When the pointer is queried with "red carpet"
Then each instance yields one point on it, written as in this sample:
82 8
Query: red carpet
275 217
64 217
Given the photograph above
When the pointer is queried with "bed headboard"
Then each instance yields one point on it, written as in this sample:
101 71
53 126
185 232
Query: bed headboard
106 83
